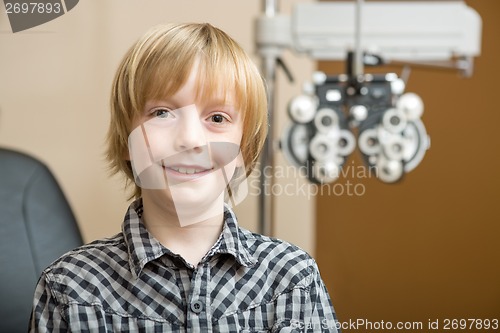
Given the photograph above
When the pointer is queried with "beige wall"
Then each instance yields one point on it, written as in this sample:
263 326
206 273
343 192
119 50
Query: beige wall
54 87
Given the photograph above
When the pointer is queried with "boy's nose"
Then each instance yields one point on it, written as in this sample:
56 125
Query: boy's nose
189 134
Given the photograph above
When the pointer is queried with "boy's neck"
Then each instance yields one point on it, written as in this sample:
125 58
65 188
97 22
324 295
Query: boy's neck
191 241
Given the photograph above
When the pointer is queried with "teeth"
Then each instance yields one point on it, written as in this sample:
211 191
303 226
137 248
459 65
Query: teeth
188 171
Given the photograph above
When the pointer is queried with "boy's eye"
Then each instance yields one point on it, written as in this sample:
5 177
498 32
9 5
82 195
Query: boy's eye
218 118
161 113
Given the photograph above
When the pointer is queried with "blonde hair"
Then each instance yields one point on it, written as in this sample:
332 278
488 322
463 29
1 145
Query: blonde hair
158 65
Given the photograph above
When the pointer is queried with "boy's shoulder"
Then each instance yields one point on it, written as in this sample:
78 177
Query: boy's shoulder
274 250
102 252
258 241
284 265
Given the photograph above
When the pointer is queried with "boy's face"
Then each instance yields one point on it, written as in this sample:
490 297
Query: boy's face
184 150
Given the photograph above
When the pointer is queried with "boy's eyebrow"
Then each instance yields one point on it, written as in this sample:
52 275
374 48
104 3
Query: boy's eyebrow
170 102
154 102
215 102
221 103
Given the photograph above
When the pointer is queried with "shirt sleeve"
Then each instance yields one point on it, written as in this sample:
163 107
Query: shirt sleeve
46 313
319 313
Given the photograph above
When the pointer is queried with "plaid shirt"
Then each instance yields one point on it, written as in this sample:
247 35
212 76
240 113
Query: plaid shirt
131 283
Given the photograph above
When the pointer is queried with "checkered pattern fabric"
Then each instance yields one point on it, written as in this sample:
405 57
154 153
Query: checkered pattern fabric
131 283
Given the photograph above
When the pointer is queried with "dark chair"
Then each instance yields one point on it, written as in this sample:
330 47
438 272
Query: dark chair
36 227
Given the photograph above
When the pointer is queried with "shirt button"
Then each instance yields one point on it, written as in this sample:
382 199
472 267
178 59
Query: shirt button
197 306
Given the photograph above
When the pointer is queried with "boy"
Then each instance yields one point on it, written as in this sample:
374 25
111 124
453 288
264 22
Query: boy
188 122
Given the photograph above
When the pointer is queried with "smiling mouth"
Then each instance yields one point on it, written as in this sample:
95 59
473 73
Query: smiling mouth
184 172
189 170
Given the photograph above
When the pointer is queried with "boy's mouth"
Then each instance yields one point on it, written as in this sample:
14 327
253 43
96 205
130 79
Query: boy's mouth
182 173
189 170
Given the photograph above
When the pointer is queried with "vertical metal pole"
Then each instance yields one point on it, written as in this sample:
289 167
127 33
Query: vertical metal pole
358 67
270 7
266 201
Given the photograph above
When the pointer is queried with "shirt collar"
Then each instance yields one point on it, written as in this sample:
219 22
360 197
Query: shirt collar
231 241
143 247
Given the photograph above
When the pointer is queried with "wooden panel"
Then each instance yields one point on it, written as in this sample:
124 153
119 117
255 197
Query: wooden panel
428 247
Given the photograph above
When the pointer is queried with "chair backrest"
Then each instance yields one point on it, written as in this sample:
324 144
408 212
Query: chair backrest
36 227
